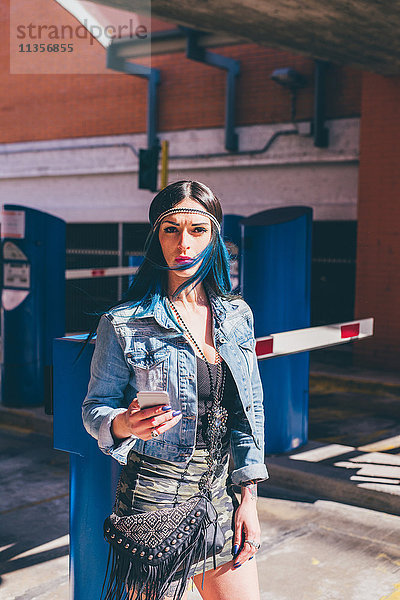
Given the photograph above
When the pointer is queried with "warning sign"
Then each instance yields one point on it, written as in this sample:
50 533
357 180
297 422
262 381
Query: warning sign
13 224
17 275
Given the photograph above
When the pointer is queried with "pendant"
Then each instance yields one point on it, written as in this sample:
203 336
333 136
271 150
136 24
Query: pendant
219 469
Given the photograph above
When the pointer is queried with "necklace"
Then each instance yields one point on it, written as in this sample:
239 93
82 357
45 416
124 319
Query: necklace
217 415
188 332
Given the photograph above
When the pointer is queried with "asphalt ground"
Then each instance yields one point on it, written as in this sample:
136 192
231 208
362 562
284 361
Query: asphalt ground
352 406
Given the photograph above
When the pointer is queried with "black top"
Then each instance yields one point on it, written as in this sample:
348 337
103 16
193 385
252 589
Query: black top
230 401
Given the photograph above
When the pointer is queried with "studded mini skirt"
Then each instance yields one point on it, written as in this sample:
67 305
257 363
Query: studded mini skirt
148 484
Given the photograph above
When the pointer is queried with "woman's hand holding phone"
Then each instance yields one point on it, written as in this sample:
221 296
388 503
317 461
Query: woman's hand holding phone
145 423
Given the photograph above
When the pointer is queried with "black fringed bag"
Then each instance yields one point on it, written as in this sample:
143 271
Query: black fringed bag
150 550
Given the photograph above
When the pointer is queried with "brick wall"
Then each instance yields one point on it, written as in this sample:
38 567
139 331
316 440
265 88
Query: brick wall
191 95
378 246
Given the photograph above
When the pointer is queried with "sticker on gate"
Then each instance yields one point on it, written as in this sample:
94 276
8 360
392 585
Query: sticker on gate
17 275
12 252
13 224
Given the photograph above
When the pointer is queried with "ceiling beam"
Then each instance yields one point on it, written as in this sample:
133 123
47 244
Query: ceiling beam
357 33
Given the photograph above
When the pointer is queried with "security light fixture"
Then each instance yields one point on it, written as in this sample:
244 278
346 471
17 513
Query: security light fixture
292 80
289 78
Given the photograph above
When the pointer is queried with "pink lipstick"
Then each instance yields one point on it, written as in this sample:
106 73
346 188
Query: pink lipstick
183 260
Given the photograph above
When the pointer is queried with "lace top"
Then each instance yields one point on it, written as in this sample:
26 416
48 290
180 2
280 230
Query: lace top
204 398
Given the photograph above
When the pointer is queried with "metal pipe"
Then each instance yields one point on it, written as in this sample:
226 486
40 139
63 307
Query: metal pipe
60 148
321 133
120 255
232 69
265 148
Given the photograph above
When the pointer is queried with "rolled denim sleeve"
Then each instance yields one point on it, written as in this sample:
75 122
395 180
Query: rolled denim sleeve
248 449
105 399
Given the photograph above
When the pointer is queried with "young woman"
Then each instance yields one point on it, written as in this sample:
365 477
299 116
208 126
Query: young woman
181 330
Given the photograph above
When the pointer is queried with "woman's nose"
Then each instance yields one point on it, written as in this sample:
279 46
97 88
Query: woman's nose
183 243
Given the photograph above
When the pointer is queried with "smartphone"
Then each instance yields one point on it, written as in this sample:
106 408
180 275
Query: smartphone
150 398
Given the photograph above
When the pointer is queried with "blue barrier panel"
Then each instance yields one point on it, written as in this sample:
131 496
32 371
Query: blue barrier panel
93 475
231 232
275 281
33 300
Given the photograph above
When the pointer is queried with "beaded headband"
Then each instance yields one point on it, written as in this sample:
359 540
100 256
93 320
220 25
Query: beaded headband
196 211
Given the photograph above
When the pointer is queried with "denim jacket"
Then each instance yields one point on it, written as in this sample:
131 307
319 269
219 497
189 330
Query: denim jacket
150 352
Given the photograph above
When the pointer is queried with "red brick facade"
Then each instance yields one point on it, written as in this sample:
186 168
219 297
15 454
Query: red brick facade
191 95
378 248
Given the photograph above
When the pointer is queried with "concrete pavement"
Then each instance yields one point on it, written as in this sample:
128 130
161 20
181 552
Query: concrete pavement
312 549
315 545
33 517
322 550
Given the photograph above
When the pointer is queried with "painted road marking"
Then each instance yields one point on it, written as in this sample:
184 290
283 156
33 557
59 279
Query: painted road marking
380 458
322 453
394 595
57 543
372 469
381 487
374 479
388 444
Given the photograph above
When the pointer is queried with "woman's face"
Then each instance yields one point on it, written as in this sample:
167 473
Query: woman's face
183 236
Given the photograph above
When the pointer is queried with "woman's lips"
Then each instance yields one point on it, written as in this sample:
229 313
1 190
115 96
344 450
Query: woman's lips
183 259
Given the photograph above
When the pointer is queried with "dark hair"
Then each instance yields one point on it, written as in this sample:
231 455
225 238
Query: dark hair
151 280
175 192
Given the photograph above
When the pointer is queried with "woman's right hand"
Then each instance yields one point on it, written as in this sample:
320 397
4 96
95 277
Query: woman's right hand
142 422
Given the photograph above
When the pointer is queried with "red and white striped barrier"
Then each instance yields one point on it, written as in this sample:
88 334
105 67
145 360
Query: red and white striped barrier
312 338
99 272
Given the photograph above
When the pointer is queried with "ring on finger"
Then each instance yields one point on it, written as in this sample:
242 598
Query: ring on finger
253 543
154 433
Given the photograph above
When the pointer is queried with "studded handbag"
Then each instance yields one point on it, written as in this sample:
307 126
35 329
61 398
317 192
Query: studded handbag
150 550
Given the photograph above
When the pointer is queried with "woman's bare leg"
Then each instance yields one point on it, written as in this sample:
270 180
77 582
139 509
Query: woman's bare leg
184 597
227 583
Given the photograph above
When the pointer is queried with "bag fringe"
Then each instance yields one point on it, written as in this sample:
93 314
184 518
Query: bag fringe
130 579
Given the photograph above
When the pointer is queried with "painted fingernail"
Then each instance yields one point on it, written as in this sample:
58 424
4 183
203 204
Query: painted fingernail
176 413
251 558
236 566
235 548
166 408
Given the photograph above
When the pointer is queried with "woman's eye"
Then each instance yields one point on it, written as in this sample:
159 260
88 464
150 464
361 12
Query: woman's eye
199 229
170 229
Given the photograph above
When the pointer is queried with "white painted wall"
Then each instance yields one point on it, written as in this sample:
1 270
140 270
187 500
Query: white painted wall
100 184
